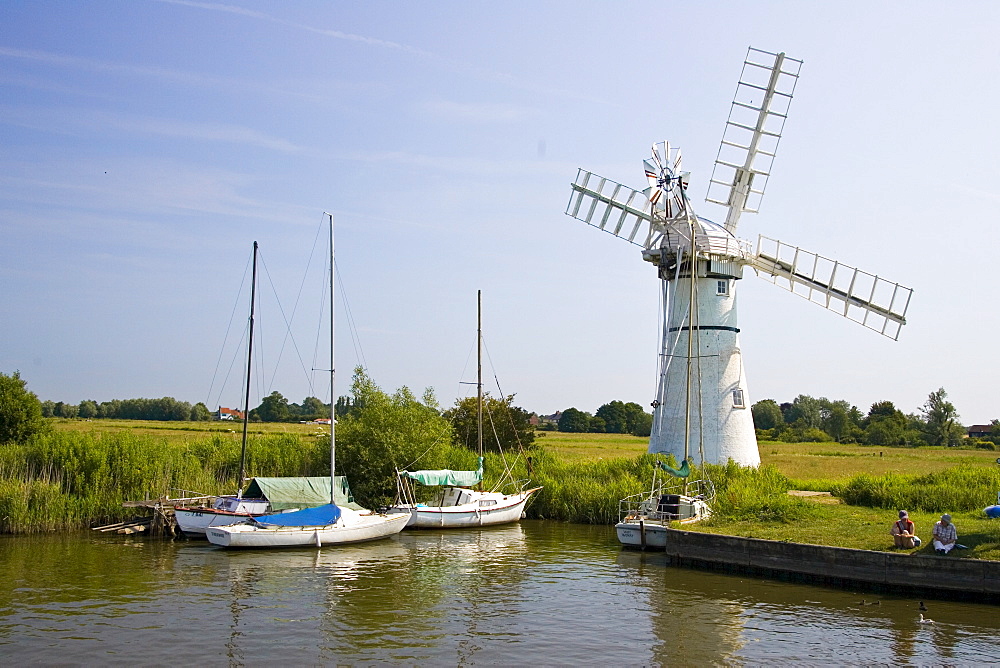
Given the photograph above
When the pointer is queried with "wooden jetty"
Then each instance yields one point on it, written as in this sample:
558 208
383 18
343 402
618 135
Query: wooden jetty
160 521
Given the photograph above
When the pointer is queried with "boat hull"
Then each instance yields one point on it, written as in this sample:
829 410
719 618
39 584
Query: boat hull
649 530
642 534
196 522
351 528
485 509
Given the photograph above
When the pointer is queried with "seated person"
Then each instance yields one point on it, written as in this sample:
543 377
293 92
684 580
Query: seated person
945 535
904 533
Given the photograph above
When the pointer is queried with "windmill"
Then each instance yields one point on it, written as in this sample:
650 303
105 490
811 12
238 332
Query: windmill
702 397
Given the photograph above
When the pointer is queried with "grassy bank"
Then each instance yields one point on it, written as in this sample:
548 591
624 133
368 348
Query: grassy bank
81 473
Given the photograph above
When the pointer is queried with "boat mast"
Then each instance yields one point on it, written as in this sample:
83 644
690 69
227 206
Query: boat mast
246 400
479 372
692 276
333 392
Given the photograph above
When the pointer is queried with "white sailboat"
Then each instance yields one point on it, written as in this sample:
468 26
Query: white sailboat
461 502
329 524
644 518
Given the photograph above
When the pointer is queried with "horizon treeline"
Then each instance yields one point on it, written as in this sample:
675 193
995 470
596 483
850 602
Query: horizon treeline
808 419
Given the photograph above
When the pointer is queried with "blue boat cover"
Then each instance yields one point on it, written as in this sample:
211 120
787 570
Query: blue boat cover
319 516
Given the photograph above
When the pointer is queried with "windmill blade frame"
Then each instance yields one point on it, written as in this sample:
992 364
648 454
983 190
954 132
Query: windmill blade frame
752 133
865 298
614 208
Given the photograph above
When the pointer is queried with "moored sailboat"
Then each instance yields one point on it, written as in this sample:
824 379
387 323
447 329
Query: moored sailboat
328 524
229 509
461 502
644 518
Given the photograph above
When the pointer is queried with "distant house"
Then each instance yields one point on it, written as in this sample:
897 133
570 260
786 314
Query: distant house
548 421
980 430
227 414
321 421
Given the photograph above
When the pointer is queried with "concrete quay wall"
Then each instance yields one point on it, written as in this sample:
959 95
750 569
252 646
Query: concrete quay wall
949 575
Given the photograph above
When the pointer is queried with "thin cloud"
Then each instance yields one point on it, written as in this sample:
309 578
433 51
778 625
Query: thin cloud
337 34
476 113
92 65
75 121
488 75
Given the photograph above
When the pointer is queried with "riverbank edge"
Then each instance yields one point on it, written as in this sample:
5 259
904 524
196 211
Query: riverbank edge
947 576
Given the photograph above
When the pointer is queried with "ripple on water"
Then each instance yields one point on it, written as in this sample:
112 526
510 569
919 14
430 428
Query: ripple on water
535 592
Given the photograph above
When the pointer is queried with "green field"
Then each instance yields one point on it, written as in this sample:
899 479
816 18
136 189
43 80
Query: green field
186 432
807 463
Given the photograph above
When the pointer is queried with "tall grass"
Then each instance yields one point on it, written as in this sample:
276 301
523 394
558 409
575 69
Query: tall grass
66 480
961 488
589 492
586 492
756 494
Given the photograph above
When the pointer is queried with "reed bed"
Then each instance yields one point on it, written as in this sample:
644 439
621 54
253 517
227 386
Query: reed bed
71 480
962 488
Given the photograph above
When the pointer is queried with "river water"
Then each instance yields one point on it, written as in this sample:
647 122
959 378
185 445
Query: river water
534 592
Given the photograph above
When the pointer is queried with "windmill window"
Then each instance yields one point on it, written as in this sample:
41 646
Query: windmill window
738 399
722 288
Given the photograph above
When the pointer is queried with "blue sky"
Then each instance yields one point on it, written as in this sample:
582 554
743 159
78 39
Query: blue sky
147 144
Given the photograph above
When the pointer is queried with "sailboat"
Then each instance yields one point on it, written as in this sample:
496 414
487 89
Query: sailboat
673 497
461 502
230 508
329 524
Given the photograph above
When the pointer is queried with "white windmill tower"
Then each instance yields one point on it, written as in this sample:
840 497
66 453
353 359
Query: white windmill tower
702 400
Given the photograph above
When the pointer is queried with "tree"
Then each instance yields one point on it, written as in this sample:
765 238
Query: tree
199 412
614 416
506 427
384 431
88 409
313 408
622 418
807 409
20 410
273 408
838 423
644 425
941 425
884 425
574 421
767 414
343 407
65 410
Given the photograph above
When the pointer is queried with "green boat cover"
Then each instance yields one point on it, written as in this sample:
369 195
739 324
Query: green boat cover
447 477
305 492
683 472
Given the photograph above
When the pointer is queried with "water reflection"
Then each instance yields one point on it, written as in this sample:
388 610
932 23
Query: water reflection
537 592
710 617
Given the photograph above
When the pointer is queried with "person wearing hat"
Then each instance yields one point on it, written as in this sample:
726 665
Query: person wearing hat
945 535
903 532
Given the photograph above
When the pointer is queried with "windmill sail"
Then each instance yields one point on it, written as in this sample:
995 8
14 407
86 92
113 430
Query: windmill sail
867 299
614 208
753 130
